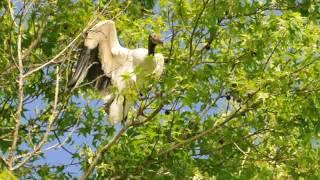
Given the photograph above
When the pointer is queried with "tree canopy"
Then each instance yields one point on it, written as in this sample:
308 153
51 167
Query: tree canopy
239 99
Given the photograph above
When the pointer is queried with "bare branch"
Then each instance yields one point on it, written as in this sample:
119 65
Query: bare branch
242 151
54 58
69 45
20 102
102 150
152 115
271 54
37 148
55 146
35 42
205 3
176 145
105 148
48 130
4 160
122 11
244 160
5 136
60 144
11 13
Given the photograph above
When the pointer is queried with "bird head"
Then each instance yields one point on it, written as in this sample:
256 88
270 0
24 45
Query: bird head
93 37
155 39
97 33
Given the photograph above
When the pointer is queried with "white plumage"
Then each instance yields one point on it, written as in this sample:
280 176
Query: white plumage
118 64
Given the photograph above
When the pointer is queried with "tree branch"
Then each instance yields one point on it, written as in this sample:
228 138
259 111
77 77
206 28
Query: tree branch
102 150
11 13
35 42
48 130
20 102
175 145
152 115
271 54
69 45
115 139
196 26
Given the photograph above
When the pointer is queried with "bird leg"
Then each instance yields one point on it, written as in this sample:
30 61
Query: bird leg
108 97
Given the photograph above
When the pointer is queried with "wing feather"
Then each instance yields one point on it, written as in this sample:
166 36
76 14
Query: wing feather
82 65
89 67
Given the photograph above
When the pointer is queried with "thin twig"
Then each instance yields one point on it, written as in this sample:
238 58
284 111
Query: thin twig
272 52
11 13
123 10
242 151
115 139
244 160
35 42
101 151
60 144
176 145
152 115
65 149
48 130
4 160
196 26
20 102
69 45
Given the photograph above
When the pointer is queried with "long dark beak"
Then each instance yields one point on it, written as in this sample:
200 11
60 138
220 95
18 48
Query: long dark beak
81 69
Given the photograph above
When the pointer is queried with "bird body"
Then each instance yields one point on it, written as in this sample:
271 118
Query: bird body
117 65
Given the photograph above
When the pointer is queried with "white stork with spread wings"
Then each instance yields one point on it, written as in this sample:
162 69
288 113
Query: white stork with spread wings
106 63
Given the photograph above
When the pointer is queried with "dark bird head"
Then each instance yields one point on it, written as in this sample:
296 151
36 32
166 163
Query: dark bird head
154 40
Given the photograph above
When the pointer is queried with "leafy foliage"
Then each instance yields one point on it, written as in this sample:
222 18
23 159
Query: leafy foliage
239 98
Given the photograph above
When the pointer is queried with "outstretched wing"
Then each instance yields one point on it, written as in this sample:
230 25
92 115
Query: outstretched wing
89 67
97 76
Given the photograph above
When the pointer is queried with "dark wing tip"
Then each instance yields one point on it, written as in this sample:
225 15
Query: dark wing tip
81 68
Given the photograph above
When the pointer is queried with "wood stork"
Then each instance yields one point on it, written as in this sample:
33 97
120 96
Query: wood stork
110 66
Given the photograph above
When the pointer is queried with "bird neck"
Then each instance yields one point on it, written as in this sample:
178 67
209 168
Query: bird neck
151 47
106 57
113 37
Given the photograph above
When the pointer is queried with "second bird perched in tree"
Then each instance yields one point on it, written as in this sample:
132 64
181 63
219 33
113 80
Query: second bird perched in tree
110 66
